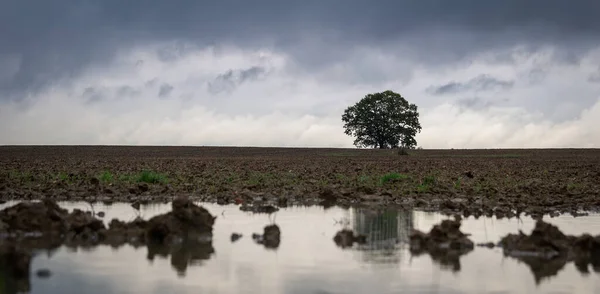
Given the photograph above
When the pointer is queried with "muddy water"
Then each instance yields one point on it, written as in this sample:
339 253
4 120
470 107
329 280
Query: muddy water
307 260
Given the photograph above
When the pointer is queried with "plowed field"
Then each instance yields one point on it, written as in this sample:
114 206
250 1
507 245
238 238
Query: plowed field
501 182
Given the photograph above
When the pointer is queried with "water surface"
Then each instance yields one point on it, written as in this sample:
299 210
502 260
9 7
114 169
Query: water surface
307 260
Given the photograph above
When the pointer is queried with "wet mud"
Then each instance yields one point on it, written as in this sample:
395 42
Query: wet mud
503 183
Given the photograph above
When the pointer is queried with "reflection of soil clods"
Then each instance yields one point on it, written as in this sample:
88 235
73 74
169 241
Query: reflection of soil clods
270 238
445 243
346 238
183 254
546 250
27 226
235 236
15 264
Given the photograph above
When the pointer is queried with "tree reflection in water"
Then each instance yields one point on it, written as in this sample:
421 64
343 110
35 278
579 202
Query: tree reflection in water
384 230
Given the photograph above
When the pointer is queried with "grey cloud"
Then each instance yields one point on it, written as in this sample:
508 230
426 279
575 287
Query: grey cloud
479 83
92 95
59 38
536 75
151 83
595 77
127 91
232 78
165 90
475 103
96 94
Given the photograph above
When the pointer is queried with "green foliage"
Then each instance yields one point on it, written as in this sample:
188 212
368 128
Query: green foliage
428 180
392 177
382 120
106 177
572 186
458 182
151 177
426 184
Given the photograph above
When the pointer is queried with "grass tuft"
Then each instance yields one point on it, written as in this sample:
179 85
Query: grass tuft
106 177
151 177
392 177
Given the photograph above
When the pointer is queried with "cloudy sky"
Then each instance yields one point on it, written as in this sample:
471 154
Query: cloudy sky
490 74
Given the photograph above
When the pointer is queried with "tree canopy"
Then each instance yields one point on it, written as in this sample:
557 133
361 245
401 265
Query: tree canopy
382 120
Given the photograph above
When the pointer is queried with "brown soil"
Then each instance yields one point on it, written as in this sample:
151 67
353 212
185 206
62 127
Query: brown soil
468 182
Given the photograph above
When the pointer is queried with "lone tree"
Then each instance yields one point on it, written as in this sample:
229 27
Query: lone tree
382 120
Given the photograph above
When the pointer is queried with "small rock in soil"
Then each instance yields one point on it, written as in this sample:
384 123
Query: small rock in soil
143 187
94 181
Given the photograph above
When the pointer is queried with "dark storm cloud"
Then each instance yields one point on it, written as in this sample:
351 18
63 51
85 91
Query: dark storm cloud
165 90
232 78
91 94
479 83
56 39
97 94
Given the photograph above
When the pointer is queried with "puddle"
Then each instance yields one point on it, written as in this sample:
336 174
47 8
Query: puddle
307 260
